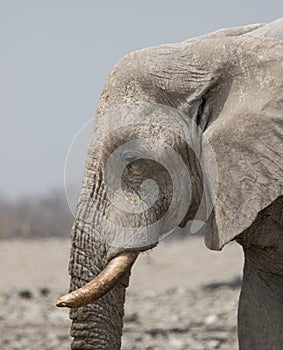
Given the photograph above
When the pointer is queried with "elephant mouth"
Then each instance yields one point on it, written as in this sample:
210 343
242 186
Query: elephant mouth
101 284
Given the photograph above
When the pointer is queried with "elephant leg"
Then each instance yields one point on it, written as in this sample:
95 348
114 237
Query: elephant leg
260 315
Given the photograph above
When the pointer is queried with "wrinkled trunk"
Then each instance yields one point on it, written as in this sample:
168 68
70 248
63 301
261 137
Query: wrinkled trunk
98 325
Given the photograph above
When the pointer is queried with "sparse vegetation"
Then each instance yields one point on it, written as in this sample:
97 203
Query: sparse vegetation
32 217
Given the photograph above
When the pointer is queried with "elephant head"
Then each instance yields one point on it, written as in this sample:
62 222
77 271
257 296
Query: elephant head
183 131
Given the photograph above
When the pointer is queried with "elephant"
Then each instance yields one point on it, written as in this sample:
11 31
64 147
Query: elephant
195 129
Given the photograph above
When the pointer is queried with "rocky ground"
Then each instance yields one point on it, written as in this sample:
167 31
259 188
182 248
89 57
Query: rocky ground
181 297
182 319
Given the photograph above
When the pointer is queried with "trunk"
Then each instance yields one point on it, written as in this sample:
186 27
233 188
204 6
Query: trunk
99 325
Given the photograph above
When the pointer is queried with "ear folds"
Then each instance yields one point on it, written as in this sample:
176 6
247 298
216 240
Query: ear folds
247 139
249 156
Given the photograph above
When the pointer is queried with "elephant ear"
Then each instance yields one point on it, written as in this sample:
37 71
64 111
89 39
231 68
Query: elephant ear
247 139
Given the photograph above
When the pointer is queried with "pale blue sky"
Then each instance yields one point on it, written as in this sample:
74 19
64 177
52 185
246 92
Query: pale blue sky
56 55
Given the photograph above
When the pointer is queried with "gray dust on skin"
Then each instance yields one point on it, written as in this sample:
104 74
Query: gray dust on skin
230 84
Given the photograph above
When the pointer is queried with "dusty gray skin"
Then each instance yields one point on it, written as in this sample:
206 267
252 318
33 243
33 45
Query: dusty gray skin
231 84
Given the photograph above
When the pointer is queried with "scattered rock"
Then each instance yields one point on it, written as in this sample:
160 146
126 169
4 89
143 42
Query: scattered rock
174 319
25 294
44 291
131 317
156 331
233 284
213 344
177 344
211 319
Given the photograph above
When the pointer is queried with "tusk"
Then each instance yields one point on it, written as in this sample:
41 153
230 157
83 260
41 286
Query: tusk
101 284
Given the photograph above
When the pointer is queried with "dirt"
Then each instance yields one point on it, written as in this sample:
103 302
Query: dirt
181 296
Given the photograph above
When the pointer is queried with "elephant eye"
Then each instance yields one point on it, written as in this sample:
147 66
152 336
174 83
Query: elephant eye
131 162
135 165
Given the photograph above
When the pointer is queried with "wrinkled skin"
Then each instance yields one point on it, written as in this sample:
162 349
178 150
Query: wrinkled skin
230 83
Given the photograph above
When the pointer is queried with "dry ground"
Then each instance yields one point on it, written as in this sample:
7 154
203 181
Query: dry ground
181 296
